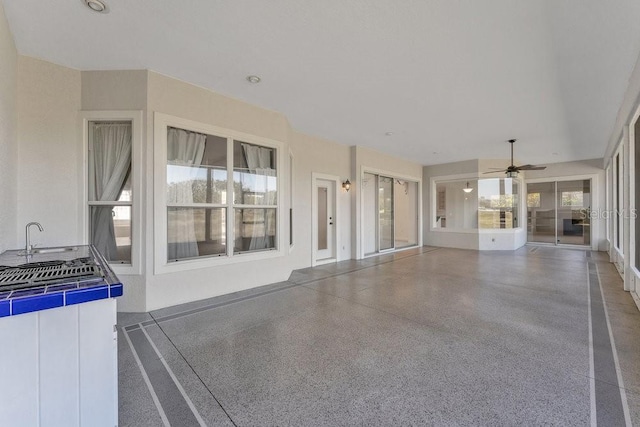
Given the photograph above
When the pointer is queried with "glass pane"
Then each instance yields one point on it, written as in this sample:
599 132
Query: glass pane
255 230
110 161
457 205
385 212
195 232
196 167
634 213
370 219
541 212
574 207
323 219
616 203
126 194
111 232
405 206
498 203
254 174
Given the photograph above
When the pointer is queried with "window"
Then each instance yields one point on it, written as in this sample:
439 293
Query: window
290 199
533 200
617 200
572 198
498 203
255 197
480 203
217 191
110 195
636 185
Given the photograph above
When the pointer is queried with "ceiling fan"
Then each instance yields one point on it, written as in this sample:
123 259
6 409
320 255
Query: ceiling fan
512 170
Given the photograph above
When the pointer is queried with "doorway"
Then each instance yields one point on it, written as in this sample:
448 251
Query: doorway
324 219
389 213
559 212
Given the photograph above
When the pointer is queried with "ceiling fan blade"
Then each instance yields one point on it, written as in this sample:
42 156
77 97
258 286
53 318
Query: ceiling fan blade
500 171
531 168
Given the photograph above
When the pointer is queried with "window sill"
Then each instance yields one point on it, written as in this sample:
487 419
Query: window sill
214 261
125 269
477 230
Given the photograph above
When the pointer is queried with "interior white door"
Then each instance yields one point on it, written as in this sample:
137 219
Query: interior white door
325 227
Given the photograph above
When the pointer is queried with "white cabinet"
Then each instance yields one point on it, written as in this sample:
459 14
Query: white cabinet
58 367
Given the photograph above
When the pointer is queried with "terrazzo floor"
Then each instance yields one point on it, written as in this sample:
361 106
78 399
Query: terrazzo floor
427 336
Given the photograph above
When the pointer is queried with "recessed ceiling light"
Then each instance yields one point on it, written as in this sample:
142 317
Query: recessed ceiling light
96 6
253 79
555 154
388 133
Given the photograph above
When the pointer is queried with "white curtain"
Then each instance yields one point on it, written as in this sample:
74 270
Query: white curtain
112 163
184 149
259 163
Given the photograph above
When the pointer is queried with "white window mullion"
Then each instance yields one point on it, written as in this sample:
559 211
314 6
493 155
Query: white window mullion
230 195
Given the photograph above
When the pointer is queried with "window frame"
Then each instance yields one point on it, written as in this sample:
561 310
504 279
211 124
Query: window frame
161 263
135 117
464 178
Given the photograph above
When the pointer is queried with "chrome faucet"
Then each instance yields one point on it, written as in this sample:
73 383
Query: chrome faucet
28 236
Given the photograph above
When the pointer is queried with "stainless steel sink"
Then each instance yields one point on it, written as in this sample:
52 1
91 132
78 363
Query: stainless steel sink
48 250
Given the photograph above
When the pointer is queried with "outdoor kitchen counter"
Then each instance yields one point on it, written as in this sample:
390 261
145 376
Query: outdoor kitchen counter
59 360
40 284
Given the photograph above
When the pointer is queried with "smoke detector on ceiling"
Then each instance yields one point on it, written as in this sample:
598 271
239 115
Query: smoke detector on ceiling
96 6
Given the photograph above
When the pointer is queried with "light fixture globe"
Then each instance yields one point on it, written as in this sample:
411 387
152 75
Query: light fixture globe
467 189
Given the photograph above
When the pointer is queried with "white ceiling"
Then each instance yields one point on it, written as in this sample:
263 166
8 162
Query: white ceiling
455 77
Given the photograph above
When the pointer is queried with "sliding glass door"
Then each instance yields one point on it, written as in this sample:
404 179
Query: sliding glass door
389 213
574 211
385 213
559 212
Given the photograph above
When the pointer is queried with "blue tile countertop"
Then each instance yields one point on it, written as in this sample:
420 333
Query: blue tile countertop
27 298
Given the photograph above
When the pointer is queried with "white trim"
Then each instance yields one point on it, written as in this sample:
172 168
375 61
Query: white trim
161 266
632 206
137 181
314 218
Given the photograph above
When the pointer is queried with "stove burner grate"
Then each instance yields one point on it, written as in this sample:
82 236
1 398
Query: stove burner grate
48 273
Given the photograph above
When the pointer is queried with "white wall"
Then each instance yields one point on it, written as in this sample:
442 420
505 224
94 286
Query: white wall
317 155
180 99
49 181
8 137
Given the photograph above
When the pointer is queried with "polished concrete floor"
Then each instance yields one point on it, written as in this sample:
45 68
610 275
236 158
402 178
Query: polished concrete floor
428 336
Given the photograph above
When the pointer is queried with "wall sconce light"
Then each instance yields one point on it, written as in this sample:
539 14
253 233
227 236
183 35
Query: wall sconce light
467 189
346 185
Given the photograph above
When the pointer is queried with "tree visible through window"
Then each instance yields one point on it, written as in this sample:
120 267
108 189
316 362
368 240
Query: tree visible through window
572 198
